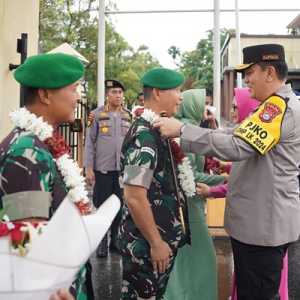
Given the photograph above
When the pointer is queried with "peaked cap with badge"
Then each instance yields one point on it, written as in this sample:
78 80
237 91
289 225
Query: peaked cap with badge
112 83
261 53
49 71
162 78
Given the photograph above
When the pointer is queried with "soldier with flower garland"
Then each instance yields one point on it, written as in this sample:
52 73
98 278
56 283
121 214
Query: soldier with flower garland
36 172
154 220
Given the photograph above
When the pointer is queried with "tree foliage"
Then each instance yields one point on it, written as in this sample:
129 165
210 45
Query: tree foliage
76 22
197 65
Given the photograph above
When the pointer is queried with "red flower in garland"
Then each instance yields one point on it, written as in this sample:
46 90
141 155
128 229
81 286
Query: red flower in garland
57 145
17 236
4 229
177 152
84 208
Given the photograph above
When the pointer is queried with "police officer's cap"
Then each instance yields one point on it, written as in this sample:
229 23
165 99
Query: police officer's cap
162 78
261 53
49 71
111 83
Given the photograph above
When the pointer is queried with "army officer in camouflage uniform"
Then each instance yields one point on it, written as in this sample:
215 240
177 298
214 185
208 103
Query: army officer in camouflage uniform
31 187
151 230
104 138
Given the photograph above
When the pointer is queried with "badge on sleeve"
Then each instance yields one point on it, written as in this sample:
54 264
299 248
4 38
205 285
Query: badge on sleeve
262 130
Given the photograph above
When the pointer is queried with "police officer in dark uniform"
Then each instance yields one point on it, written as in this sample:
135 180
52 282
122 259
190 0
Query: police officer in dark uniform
108 125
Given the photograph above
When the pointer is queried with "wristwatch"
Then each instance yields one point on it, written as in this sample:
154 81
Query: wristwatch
181 129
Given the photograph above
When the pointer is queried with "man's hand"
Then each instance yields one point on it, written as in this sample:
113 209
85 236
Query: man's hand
90 176
61 295
169 127
160 256
203 189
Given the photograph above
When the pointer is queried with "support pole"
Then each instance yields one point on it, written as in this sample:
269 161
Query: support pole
101 53
238 42
217 60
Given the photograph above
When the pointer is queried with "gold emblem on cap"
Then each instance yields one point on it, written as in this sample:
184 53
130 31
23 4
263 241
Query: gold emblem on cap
109 84
270 57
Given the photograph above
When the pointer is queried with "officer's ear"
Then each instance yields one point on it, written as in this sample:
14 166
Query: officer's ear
43 96
156 94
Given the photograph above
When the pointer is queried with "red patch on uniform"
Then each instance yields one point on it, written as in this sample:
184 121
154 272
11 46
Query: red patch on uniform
270 111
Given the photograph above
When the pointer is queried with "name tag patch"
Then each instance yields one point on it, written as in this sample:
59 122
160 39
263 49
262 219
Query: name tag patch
255 135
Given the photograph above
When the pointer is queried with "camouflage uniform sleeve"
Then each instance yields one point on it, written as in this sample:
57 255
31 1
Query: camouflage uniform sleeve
27 169
140 160
90 144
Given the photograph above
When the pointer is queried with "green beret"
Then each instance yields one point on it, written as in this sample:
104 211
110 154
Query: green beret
162 78
49 71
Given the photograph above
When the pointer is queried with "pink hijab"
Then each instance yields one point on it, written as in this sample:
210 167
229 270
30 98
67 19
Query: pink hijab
245 104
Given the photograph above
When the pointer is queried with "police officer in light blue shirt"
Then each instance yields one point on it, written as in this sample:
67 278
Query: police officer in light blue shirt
107 127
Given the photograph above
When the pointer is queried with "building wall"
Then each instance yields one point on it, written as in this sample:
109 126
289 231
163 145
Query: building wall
291 46
229 61
16 17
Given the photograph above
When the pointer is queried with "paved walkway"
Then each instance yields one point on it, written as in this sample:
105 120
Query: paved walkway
107 272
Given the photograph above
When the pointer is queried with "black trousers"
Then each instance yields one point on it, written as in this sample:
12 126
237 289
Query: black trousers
258 270
107 184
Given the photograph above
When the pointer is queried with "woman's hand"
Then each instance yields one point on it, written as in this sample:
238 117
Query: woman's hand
203 189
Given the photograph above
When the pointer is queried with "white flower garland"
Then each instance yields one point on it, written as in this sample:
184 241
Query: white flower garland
69 169
186 174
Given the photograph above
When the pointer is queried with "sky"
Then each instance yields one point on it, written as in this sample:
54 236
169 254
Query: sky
184 30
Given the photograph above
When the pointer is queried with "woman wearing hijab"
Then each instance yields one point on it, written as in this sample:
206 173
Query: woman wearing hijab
194 276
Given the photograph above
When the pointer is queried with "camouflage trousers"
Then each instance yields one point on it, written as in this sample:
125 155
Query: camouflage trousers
140 281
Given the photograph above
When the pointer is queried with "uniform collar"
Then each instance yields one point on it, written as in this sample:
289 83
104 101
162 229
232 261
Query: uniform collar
284 90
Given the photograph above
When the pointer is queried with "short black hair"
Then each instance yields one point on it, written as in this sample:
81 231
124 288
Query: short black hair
147 91
30 94
280 67
140 94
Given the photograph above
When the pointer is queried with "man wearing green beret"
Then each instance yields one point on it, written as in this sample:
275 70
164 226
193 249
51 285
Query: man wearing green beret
154 216
31 187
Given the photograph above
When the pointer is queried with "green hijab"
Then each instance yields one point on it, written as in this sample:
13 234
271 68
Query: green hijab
192 107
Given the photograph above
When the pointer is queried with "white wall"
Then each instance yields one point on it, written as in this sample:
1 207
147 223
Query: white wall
16 17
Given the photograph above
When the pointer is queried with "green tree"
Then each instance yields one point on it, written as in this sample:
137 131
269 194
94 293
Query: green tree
76 23
175 53
197 65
